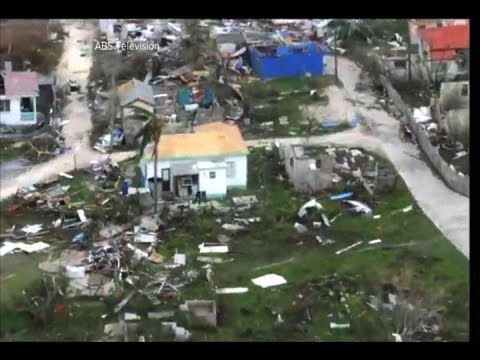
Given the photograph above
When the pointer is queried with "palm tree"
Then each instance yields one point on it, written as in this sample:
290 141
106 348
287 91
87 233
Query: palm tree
151 132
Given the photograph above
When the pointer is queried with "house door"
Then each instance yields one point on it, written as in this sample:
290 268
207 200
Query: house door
165 179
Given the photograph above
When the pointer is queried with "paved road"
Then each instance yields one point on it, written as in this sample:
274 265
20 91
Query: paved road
71 66
448 210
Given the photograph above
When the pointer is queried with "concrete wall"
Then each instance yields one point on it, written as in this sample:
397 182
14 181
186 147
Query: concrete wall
299 173
460 184
13 118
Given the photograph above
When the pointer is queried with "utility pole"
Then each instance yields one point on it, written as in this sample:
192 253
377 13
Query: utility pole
335 53
409 59
113 114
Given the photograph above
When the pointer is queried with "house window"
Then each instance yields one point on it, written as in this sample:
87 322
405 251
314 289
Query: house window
4 105
421 27
291 162
465 90
230 169
212 175
439 24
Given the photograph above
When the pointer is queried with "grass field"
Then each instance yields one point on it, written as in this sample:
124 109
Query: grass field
430 266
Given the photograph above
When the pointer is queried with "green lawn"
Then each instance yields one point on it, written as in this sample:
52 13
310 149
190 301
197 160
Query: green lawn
433 267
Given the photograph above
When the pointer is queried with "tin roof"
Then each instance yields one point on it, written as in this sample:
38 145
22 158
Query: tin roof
213 139
20 83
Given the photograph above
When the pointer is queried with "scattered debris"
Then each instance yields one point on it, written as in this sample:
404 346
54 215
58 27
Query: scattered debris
348 247
131 317
180 259
232 227
124 302
245 200
341 196
32 229
213 260
75 272
238 290
269 280
377 216
212 248
397 337
339 326
68 176
325 220
300 228
160 315
81 215
308 205
203 311
376 241
358 207
9 247
156 257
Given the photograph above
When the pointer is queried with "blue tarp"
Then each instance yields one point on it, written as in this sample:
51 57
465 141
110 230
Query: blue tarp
341 196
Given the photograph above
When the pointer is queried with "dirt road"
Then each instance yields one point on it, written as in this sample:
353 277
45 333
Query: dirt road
75 67
448 210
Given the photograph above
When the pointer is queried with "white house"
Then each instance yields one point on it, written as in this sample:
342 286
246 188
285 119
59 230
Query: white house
210 161
18 98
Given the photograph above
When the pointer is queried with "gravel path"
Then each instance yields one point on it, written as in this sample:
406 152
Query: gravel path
71 66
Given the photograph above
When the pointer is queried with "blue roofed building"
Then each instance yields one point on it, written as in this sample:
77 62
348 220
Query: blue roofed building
272 56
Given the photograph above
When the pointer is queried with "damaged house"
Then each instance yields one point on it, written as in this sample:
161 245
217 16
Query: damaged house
278 57
208 161
306 173
135 94
18 98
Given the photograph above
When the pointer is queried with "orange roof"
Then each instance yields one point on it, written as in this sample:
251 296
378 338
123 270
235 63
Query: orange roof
213 139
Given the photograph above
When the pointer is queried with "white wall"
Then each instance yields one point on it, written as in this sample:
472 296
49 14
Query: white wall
240 178
12 117
215 186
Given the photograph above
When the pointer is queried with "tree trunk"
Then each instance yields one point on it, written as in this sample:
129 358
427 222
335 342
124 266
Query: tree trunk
155 181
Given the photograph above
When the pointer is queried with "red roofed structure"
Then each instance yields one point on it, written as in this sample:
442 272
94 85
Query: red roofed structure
443 43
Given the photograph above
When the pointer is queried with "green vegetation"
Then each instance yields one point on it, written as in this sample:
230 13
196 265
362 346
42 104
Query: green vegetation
268 101
433 267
